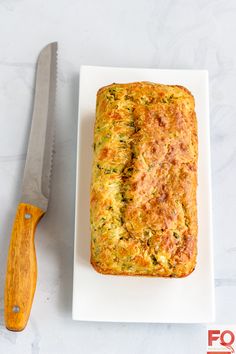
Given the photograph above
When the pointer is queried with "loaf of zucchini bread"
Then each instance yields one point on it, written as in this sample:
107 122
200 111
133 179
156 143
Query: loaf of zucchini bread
144 181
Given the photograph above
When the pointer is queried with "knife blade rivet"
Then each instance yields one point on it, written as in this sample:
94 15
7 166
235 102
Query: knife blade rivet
28 216
15 309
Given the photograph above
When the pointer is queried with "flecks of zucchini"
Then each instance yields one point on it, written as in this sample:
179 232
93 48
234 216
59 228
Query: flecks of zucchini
128 97
131 124
176 235
126 267
127 172
110 170
186 222
144 100
113 92
107 170
154 260
167 99
103 139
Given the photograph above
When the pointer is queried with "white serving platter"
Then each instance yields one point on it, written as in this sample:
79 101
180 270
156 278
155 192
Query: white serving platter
99 297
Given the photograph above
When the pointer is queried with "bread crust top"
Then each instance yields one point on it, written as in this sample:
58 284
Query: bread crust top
144 180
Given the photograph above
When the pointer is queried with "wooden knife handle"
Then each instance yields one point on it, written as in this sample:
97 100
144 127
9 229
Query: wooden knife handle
21 267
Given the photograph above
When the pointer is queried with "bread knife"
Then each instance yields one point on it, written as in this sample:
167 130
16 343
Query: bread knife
21 273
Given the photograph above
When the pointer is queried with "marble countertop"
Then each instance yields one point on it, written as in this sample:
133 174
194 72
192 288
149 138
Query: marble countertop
194 34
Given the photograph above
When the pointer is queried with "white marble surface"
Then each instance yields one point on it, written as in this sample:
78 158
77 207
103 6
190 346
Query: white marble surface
190 34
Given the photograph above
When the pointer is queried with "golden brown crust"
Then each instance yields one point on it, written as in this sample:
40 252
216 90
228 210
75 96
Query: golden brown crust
110 272
143 190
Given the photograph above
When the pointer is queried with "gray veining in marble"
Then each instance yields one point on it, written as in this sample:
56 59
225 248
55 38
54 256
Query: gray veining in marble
193 34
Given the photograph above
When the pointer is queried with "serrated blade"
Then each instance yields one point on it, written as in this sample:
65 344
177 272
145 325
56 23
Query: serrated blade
36 182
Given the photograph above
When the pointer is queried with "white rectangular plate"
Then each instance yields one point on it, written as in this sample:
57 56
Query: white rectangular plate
99 297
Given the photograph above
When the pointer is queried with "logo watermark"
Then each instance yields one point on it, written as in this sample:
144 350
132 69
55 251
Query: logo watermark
221 339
